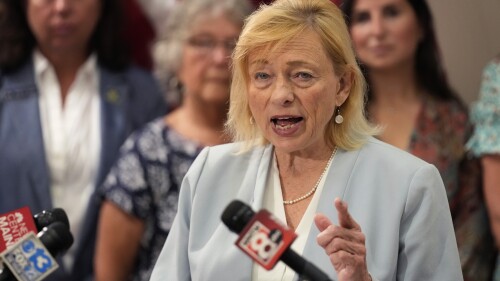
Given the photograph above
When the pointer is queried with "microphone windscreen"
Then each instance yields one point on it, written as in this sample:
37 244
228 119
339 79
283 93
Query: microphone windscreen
237 215
45 218
56 237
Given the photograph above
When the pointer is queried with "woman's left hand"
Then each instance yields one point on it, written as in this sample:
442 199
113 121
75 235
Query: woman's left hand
344 244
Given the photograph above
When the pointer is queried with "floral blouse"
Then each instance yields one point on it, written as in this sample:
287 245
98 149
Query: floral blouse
145 183
485 113
439 138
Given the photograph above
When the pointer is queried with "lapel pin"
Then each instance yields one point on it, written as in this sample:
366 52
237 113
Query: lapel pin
113 96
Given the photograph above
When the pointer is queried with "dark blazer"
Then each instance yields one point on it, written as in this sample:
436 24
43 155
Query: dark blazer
129 99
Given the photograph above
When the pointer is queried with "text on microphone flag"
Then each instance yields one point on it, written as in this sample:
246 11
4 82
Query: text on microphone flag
14 225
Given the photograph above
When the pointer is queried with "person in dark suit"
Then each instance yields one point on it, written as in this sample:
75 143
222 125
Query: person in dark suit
68 100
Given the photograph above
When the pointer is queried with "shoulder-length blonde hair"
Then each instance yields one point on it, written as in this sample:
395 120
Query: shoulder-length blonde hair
272 26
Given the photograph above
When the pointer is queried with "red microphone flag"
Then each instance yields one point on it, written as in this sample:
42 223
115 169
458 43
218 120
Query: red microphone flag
14 225
265 239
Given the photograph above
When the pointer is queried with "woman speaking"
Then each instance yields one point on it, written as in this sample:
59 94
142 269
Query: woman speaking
362 209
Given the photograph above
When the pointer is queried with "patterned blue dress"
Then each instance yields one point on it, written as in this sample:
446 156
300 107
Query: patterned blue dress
145 183
485 115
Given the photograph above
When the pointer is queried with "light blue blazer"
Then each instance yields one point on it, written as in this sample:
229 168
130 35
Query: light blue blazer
398 200
129 99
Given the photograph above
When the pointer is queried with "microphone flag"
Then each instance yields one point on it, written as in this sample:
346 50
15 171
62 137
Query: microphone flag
28 259
265 239
14 225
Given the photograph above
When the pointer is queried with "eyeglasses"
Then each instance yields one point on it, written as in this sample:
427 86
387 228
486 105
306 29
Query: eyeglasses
207 44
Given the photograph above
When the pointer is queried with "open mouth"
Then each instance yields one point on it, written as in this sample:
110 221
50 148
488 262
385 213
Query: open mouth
284 123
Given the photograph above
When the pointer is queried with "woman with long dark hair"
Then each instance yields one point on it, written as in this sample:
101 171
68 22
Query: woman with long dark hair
68 99
410 97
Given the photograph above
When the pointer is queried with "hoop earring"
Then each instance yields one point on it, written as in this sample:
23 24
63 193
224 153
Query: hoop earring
338 117
252 121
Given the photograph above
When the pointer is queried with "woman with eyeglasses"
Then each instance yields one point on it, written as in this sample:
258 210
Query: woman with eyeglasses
141 192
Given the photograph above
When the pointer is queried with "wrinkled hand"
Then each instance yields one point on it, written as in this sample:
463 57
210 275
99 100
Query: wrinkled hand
344 244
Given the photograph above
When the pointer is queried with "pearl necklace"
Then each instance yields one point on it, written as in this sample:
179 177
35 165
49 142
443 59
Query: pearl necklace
311 192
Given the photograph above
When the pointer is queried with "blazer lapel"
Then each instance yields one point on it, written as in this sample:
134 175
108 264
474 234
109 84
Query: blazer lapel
114 92
239 265
114 97
336 184
23 129
261 177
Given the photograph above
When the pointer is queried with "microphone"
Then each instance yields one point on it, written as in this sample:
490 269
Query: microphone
15 224
29 259
266 240
46 218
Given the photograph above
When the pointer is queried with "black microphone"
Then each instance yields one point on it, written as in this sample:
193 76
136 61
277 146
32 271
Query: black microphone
56 238
16 223
240 218
45 218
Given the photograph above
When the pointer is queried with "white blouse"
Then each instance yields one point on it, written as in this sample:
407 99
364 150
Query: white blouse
72 139
273 202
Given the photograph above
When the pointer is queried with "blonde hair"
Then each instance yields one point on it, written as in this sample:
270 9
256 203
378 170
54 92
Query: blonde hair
272 26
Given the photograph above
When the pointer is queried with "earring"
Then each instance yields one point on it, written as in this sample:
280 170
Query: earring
338 117
174 83
251 120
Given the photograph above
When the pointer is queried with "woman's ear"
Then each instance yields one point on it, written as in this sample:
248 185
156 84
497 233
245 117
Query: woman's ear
344 87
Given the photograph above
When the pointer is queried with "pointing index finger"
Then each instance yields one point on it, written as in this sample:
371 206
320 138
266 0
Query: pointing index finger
345 219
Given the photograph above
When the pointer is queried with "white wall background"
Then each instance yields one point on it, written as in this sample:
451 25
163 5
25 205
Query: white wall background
468 32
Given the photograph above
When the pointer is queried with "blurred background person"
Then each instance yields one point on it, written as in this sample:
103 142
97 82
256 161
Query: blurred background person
485 143
409 96
68 100
141 192
145 20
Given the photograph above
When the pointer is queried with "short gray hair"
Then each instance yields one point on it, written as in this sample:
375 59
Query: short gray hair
167 51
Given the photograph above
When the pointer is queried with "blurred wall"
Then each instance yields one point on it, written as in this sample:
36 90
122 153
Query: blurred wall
469 36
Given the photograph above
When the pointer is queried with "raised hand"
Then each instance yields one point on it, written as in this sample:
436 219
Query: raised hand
344 244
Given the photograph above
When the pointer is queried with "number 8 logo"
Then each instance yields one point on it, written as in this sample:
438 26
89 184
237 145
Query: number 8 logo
262 245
